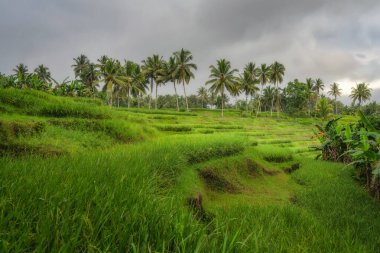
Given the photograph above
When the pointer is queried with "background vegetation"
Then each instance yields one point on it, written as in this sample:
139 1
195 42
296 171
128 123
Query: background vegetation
130 84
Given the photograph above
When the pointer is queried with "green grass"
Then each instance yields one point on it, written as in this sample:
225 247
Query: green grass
77 176
174 128
158 112
32 102
90 201
41 124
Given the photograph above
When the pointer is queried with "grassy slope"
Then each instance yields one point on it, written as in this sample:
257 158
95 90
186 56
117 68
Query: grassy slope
104 195
65 126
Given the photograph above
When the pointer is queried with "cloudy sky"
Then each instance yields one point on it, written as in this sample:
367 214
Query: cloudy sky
336 40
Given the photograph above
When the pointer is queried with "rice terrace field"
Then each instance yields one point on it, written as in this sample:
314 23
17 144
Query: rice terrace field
190 126
79 176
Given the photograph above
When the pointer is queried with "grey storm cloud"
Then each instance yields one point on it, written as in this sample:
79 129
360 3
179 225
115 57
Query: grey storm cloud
334 40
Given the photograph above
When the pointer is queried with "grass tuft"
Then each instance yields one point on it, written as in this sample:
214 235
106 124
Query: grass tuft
217 182
278 158
174 128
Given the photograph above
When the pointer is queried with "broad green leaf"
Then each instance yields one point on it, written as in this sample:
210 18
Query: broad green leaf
366 122
364 139
348 133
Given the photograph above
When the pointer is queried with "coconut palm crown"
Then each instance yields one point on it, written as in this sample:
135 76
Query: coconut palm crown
184 69
222 79
361 93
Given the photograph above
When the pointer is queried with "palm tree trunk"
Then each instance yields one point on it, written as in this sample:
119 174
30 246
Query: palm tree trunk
222 102
155 102
251 101
278 102
176 96
316 102
151 92
111 102
118 100
246 102
336 111
129 96
138 99
271 108
257 109
184 91
314 105
260 96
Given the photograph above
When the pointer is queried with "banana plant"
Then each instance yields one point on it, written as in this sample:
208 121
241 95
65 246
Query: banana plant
357 145
333 145
365 151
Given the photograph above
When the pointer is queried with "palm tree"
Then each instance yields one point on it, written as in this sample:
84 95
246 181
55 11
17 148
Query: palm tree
235 90
310 93
133 82
111 77
139 84
167 74
335 91
147 67
80 65
91 78
127 71
324 108
250 67
276 73
43 73
21 71
184 68
248 85
102 62
263 78
360 93
268 94
160 79
158 62
203 95
222 78
171 68
318 87
152 67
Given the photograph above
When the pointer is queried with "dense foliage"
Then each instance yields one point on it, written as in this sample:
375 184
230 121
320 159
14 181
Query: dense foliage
356 144
129 84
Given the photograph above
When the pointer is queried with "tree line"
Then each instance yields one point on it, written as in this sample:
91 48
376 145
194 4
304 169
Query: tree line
131 84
